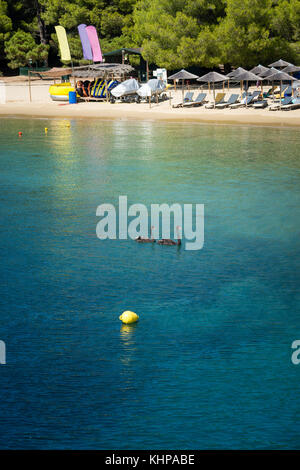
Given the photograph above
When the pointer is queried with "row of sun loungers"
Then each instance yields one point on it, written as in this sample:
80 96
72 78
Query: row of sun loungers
287 104
252 100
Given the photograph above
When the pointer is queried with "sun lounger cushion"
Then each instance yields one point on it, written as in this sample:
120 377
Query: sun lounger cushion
260 104
287 101
231 100
218 100
295 104
288 91
198 101
244 102
188 98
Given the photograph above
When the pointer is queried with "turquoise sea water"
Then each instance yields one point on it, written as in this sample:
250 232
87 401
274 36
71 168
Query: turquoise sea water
209 364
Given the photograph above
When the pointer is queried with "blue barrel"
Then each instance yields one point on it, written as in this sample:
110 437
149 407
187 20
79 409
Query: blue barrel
72 97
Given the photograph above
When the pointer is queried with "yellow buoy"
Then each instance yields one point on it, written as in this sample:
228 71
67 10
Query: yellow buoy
128 317
46 130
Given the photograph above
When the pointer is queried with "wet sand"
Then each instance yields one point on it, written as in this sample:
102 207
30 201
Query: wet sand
157 112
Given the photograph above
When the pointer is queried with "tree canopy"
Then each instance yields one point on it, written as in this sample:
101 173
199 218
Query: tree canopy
172 33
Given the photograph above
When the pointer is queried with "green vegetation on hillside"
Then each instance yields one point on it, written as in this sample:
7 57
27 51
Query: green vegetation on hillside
172 33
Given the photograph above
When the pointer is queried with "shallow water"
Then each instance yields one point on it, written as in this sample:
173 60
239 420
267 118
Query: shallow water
209 364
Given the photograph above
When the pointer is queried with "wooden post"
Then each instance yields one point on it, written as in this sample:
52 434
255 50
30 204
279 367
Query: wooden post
280 92
106 90
29 85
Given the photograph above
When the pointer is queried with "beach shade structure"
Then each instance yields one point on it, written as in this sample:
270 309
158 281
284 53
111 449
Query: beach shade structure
213 77
280 76
291 69
280 64
106 71
235 72
259 69
268 72
85 42
247 77
183 75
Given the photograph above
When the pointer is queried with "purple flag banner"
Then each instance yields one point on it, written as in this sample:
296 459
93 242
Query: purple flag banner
86 46
94 42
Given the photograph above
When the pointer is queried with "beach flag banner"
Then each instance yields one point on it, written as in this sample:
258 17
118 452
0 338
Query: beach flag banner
85 42
94 42
63 43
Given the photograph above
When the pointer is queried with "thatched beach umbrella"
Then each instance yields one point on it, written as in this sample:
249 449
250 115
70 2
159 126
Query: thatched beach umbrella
183 75
291 69
268 72
235 72
280 64
248 77
259 69
213 77
280 76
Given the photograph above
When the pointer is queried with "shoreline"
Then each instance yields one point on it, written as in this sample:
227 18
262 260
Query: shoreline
162 112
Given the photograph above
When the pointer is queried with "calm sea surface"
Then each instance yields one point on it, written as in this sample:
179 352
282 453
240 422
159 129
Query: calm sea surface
209 364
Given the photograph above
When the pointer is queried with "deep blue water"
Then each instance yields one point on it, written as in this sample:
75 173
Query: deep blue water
208 366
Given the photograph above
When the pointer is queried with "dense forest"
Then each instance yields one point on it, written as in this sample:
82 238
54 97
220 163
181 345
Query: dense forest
172 33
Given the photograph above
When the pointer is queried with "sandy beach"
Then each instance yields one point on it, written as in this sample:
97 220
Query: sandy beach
42 106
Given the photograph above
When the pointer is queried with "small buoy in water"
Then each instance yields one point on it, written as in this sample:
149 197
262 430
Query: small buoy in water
46 130
128 317
20 133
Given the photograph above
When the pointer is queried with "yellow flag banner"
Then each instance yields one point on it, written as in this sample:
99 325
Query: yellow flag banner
63 43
